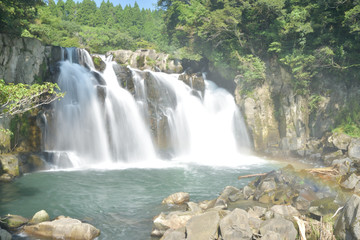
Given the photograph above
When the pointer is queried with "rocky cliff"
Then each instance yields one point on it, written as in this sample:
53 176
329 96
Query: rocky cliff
285 123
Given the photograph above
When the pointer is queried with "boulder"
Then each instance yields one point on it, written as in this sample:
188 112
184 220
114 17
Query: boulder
10 164
284 228
207 204
172 234
270 235
354 149
5 235
177 198
235 225
340 140
286 211
257 212
193 207
231 194
99 64
203 227
63 228
173 220
194 81
347 225
323 206
39 217
14 221
351 183
328 158
342 165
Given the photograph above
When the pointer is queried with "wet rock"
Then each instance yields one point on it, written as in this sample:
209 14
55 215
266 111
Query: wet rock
63 228
177 198
281 226
173 220
172 234
146 59
235 225
13 221
98 63
340 140
324 206
329 158
5 235
39 217
203 227
342 165
354 149
352 182
347 225
194 81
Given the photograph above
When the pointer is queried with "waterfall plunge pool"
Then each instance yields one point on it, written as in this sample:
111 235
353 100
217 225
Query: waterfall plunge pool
121 203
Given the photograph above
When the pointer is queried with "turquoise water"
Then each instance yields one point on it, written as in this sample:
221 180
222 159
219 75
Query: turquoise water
121 203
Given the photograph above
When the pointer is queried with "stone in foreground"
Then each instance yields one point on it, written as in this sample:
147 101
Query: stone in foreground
347 225
235 226
63 228
203 227
284 228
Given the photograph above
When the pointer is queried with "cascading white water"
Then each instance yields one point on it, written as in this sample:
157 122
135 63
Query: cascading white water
100 124
207 131
96 124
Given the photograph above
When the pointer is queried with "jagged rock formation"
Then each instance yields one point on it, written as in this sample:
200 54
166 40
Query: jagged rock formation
146 59
283 122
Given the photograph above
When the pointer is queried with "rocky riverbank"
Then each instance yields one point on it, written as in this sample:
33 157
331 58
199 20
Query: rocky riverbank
40 226
317 203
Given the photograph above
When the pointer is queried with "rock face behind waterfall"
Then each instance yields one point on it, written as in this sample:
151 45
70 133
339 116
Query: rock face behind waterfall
146 59
284 122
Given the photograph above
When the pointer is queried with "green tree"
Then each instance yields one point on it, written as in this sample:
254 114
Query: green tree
16 15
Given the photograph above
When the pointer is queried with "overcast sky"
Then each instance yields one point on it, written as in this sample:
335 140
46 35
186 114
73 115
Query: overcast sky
141 3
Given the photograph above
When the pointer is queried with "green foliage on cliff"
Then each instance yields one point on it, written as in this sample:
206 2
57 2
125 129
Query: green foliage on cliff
19 98
348 119
307 37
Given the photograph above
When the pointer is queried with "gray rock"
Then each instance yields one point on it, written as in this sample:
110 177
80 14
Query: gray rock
5 235
39 217
172 234
177 198
281 226
174 220
14 221
351 182
354 149
193 207
248 192
63 228
257 212
285 210
340 140
342 165
328 158
10 164
347 225
203 227
235 225
270 235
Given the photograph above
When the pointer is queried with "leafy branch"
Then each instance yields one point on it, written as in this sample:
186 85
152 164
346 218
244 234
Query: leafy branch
20 98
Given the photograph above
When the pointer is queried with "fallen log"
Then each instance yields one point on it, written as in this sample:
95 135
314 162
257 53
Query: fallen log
252 175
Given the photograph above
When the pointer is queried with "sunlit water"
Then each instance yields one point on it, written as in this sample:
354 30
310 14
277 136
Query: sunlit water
121 203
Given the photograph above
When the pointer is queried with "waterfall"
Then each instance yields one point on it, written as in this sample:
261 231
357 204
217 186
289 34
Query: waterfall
100 123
